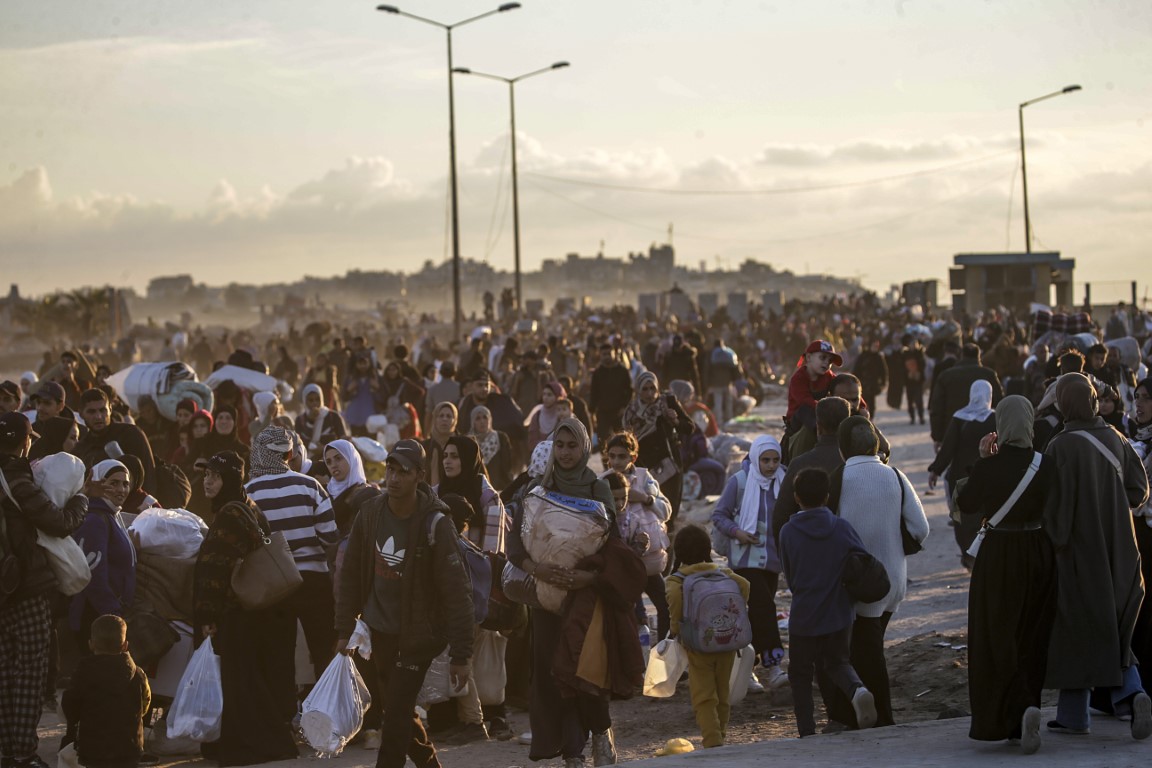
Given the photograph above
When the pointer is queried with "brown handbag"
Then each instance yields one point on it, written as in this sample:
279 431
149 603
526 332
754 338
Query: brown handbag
267 574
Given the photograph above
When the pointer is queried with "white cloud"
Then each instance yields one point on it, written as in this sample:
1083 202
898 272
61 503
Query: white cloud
362 214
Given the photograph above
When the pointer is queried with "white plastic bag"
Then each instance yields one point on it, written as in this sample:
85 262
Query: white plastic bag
488 668
437 686
60 476
666 663
175 533
67 757
199 701
361 640
334 710
741 672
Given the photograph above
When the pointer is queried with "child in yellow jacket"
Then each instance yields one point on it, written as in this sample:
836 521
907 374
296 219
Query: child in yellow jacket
708 673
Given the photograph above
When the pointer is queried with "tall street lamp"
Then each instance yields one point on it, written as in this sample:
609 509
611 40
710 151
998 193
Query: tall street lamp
515 188
1024 165
457 312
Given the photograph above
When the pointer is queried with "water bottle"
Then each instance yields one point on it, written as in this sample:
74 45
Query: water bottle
645 641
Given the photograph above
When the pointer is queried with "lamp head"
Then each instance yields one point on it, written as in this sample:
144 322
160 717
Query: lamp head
1071 88
461 70
560 65
388 8
508 7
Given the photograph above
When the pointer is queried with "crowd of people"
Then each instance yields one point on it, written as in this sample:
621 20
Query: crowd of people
390 476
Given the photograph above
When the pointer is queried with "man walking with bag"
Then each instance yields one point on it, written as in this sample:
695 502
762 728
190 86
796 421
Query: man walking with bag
403 576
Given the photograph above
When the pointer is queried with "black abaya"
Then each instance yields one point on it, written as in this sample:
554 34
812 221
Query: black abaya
1012 597
258 674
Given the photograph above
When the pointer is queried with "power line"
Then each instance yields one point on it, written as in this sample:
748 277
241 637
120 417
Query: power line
778 241
779 191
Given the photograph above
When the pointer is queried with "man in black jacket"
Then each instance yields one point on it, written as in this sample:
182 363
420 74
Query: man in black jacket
25 586
611 392
403 575
951 389
94 446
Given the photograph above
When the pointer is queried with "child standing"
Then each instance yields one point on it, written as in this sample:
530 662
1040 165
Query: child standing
708 673
743 520
814 545
107 699
643 522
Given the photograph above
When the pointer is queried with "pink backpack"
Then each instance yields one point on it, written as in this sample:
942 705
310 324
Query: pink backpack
715 616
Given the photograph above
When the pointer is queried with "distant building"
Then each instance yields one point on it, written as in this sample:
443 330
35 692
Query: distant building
168 288
979 281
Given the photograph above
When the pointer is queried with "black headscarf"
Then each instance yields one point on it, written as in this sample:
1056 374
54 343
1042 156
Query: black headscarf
53 432
469 483
230 467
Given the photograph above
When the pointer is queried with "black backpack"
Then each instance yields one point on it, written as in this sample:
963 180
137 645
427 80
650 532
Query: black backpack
173 490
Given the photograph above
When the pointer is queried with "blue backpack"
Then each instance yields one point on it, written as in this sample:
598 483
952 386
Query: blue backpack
476 564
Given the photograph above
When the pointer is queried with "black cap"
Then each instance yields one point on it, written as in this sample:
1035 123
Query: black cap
408 454
50 390
14 427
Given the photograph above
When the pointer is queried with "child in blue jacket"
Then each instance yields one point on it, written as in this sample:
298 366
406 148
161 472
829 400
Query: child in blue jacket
814 544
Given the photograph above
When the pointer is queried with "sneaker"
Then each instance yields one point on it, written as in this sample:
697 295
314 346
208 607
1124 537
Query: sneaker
470 733
1055 727
1141 717
147 758
1030 731
777 678
50 703
754 685
500 730
525 738
864 704
30 762
371 739
604 748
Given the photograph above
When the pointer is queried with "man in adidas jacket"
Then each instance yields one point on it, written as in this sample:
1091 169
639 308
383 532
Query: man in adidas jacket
402 574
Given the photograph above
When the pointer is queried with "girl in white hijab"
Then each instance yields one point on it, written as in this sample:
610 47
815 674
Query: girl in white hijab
744 516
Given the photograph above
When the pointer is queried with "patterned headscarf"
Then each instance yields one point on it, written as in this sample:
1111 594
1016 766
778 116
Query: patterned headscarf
268 449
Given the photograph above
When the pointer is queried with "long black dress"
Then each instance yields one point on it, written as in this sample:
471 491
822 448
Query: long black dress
1012 597
257 668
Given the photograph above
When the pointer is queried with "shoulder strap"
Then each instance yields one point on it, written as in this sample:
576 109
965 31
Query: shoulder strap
1022 486
1103 449
8 491
900 482
433 521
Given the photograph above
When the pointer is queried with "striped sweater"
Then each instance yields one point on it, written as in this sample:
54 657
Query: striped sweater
299 507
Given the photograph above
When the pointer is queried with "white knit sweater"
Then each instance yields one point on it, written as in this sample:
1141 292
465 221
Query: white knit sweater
870 501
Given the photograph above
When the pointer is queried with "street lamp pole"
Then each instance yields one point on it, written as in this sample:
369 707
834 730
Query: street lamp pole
511 81
1024 164
457 311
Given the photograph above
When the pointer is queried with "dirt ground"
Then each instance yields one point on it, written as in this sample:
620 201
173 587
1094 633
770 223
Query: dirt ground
927 660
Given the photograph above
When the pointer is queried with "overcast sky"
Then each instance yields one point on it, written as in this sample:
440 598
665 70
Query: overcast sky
268 139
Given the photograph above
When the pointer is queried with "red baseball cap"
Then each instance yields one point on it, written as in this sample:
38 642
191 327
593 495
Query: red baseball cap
821 346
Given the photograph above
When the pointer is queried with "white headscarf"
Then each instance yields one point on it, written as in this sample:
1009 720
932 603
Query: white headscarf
355 468
979 405
101 469
757 483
